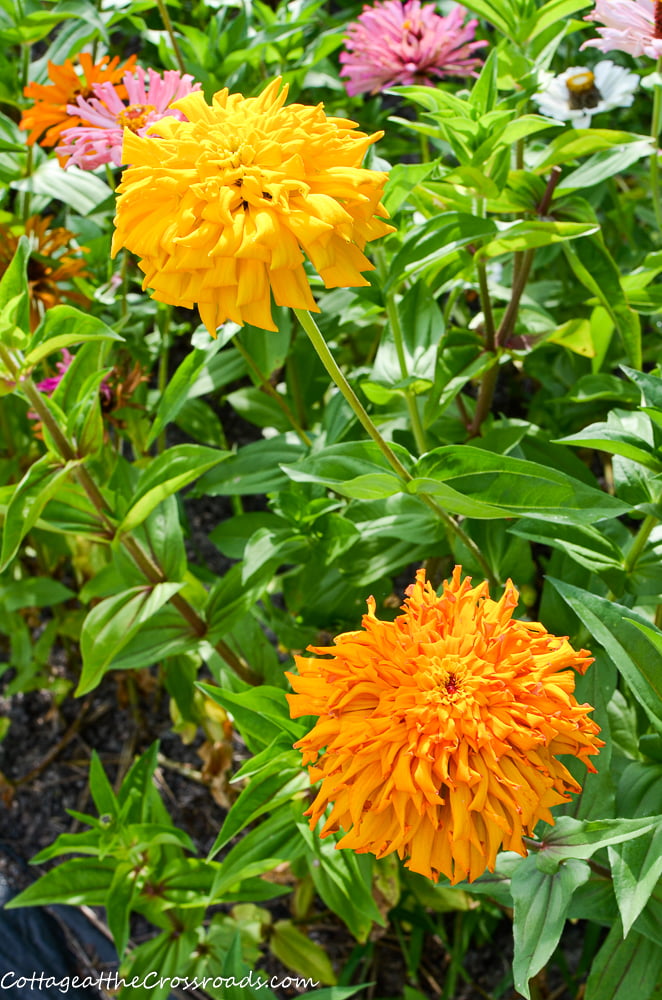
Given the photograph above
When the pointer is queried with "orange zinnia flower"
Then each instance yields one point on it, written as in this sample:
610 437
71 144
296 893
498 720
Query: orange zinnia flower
52 262
49 112
438 732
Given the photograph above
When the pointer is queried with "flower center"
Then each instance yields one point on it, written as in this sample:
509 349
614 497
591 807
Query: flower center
582 91
657 32
135 116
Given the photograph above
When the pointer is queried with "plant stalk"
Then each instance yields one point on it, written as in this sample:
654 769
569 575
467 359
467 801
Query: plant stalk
329 362
147 565
167 24
410 397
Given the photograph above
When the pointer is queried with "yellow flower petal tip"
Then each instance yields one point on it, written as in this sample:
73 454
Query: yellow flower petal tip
223 207
438 733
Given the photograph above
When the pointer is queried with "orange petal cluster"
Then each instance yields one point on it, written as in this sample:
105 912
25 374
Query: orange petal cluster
49 113
438 733
222 207
53 265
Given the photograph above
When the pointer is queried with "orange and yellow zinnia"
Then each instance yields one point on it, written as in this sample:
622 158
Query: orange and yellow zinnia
222 207
54 266
438 733
47 118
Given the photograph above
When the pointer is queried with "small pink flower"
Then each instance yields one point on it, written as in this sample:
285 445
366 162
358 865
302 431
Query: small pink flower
107 115
406 43
633 26
50 384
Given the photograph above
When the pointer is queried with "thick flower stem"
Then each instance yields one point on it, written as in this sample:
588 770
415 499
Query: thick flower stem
656 125
486 305
143 560
329 362
521 270
268 388
167 24
410 396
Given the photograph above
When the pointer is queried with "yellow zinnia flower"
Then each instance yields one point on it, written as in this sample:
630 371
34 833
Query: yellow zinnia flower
438 732
220 207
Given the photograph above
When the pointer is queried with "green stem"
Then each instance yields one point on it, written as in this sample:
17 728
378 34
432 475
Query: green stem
486 305
167 24
324 354
268 388
329 362
147 565
639 542
502 335
410 397
656 124
425 148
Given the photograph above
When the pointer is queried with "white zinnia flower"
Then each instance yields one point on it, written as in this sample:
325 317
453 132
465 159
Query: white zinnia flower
578 93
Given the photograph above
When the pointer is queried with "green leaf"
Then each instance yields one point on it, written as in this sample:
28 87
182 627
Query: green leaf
624 969
496 12
403 178
261 849
471 481
110 626
168 473
182 385
78 882
584 543
593 265
427 244
14 284
554 11
619 630
298 952
165 634
343 880
254 469
121 894
573 143
541 905
605 164
261 714
354 469
518 236
278 782
103 796
580 839
39 485
81 190
63 326
617 438
33 592
636 867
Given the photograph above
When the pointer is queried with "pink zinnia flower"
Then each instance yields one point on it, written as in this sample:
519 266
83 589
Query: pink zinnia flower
633 26
393 43
107 115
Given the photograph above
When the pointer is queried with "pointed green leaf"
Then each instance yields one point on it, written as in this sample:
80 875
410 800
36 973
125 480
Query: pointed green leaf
541 905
